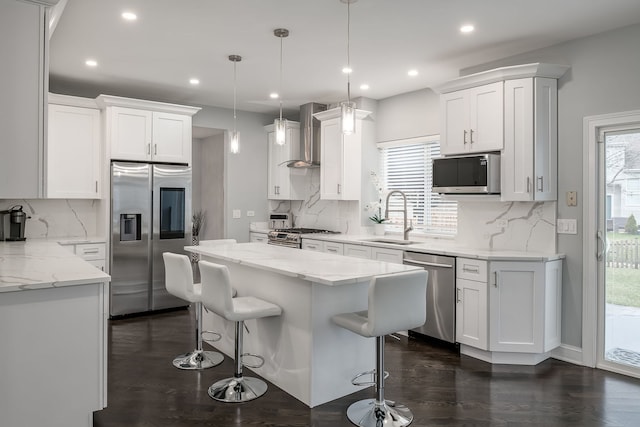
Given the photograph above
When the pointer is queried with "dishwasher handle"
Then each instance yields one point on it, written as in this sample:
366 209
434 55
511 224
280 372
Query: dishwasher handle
426 264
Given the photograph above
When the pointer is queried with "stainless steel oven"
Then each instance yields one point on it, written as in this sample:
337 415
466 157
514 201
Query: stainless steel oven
441 290
292 237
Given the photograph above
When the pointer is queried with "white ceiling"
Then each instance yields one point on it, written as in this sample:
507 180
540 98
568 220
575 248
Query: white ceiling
174 40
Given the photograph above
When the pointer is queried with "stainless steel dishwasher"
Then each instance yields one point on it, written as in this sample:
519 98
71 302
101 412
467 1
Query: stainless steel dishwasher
441 287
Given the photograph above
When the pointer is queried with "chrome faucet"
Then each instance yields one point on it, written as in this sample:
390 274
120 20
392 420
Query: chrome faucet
405 229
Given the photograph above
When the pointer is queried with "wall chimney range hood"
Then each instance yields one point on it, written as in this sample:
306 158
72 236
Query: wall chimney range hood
309 137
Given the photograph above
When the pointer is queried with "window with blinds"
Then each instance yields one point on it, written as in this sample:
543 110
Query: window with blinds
406 166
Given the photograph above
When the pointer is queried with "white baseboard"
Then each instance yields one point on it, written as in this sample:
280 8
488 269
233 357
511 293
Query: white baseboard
568 353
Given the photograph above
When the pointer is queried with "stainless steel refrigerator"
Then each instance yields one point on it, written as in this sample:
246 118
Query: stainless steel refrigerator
150 214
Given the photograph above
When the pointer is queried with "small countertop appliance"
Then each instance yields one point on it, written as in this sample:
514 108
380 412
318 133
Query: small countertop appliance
12 224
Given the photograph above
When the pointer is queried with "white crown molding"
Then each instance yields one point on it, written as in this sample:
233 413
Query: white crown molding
73 101
538 69
117 101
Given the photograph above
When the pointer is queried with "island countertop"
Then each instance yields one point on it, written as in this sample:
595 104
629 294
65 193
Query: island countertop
319 267
38 264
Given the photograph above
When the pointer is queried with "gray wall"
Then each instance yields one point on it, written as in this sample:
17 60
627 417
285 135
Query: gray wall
245 172
209 184
604 78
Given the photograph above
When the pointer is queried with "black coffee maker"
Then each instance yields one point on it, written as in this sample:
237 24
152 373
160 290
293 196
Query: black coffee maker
13 222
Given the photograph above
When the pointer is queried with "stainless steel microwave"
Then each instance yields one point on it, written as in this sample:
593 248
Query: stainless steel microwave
472 174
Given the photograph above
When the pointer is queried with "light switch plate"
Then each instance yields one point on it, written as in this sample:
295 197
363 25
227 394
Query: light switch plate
251 213
567 226
237 213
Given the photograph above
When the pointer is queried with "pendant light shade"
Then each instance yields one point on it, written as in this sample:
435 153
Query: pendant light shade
348 108
234 141
280 124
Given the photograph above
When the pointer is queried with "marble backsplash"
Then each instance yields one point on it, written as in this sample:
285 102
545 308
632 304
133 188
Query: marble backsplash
521 226
52 218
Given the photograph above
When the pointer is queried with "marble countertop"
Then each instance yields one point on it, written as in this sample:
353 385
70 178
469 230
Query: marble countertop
319 267
38 264
437 246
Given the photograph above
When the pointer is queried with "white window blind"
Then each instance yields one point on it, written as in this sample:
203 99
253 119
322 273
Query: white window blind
407 167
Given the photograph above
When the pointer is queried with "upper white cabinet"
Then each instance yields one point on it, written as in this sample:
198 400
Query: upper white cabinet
73 149
285 183
472 120
23 87
530 157
147 131
340 157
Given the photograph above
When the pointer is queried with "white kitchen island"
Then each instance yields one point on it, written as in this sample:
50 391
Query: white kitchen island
305 354
53 336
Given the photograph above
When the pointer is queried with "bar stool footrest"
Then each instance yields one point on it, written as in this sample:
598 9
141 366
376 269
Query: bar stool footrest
259 365
357 383
216 336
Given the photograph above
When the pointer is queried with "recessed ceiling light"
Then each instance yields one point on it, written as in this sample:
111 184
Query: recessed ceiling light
194 81
91 63
412 73
347 70
364 86
468 28
274 95
129 16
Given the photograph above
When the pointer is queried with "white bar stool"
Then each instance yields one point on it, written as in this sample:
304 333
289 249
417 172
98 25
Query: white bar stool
179 282
396 302
217 296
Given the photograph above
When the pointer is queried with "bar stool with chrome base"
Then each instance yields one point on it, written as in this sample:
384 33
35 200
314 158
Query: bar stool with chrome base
396 302
217 296
179 282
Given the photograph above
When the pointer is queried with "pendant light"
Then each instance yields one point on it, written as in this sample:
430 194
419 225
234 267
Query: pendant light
280 123
348 108
234 145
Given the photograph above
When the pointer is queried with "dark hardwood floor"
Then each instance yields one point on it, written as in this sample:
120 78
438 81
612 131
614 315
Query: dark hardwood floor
441 387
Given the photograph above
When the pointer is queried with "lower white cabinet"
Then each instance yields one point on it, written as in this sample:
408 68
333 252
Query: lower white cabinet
509 307
256 236
357 251
323 246
93 253
387 255
334 248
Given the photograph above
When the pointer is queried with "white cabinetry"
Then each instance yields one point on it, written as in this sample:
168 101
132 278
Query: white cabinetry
471 303
387 255
285 183
341 157
334 248
524 298
147 131
23 86
255 236
73 151
94 253
472 120
508 311
529 160
322 246
357 251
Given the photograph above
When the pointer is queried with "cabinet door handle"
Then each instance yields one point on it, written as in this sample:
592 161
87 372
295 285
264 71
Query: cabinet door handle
332 250
155 149
148 148
458 299
540 183
495 279
471 136
464 136
528 185
339 189
90 251
96 186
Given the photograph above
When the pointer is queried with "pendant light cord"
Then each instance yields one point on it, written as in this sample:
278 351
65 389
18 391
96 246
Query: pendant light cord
348 50
235 63
280 89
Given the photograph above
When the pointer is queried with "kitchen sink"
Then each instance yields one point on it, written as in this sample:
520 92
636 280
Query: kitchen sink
391 241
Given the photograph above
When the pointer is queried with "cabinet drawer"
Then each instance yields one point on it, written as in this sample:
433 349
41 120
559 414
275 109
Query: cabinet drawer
387 255
357 251
471 269
334 248
91 251
312 245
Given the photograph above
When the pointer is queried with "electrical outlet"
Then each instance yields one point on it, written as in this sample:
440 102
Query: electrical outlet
572 198
567 226
237 213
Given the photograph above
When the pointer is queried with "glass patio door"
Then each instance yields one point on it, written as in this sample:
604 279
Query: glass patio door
619 255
